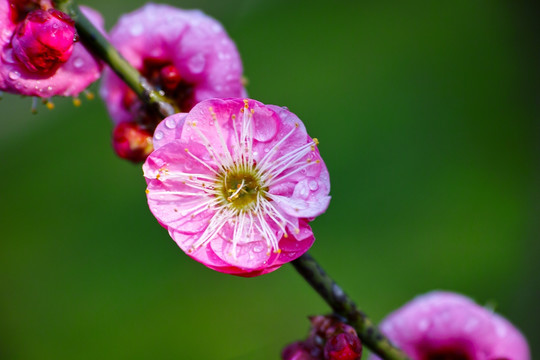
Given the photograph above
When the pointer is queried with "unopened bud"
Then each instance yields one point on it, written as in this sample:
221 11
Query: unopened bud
44 40
343 346
132 142
170 77
297 351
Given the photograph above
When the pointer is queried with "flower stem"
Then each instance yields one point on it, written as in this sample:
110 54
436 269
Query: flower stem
305 265
334 296
103 49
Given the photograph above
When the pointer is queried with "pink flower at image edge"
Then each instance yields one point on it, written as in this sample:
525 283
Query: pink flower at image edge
70 77
445 325
236 182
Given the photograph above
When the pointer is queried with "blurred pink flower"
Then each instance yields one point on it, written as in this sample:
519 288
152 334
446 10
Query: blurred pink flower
236 182
444 325
38 52
185 53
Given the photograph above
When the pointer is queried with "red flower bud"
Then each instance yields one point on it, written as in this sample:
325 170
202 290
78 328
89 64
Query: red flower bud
132 142
297 351
44 40
343 346
170 77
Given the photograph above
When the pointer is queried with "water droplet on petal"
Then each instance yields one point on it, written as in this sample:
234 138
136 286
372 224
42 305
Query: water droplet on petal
258 248
313 185
196 63
78 63
14 75
8 56
136 29
170 123
158 135
6 35
49 88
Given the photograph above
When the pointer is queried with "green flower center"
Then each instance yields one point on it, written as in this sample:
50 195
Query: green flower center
239 187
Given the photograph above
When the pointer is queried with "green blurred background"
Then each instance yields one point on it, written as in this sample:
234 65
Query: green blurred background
428 118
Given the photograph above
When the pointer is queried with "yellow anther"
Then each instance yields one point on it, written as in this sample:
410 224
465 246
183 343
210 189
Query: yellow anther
316 141
233 116
147 191
297 231
158 176
278 251
253 111
211 109
193 123
317 161
296 125
89 95
77 102
49 105
246 103
285 235
186 150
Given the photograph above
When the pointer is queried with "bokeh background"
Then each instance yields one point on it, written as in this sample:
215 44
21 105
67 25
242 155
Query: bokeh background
428 117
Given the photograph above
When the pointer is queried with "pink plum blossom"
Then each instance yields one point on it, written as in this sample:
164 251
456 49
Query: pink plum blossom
184 53
236 183
38 52
444 325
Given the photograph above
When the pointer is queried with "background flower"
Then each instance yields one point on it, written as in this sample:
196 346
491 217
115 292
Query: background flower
444 325
68 78
184 53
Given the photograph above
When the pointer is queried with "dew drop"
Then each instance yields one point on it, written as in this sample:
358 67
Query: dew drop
313 185
170 123
49 88
258 248
8 56
304 191
158 135
6 35
196 63
14 75
136 29
423 325
266 150
78 63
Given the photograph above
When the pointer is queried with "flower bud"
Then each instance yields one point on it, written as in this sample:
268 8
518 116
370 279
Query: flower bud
297 351
44 40
132 142
343 346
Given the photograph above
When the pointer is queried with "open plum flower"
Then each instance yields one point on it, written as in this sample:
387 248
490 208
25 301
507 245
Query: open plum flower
184 53
39 54
236 182
444 325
